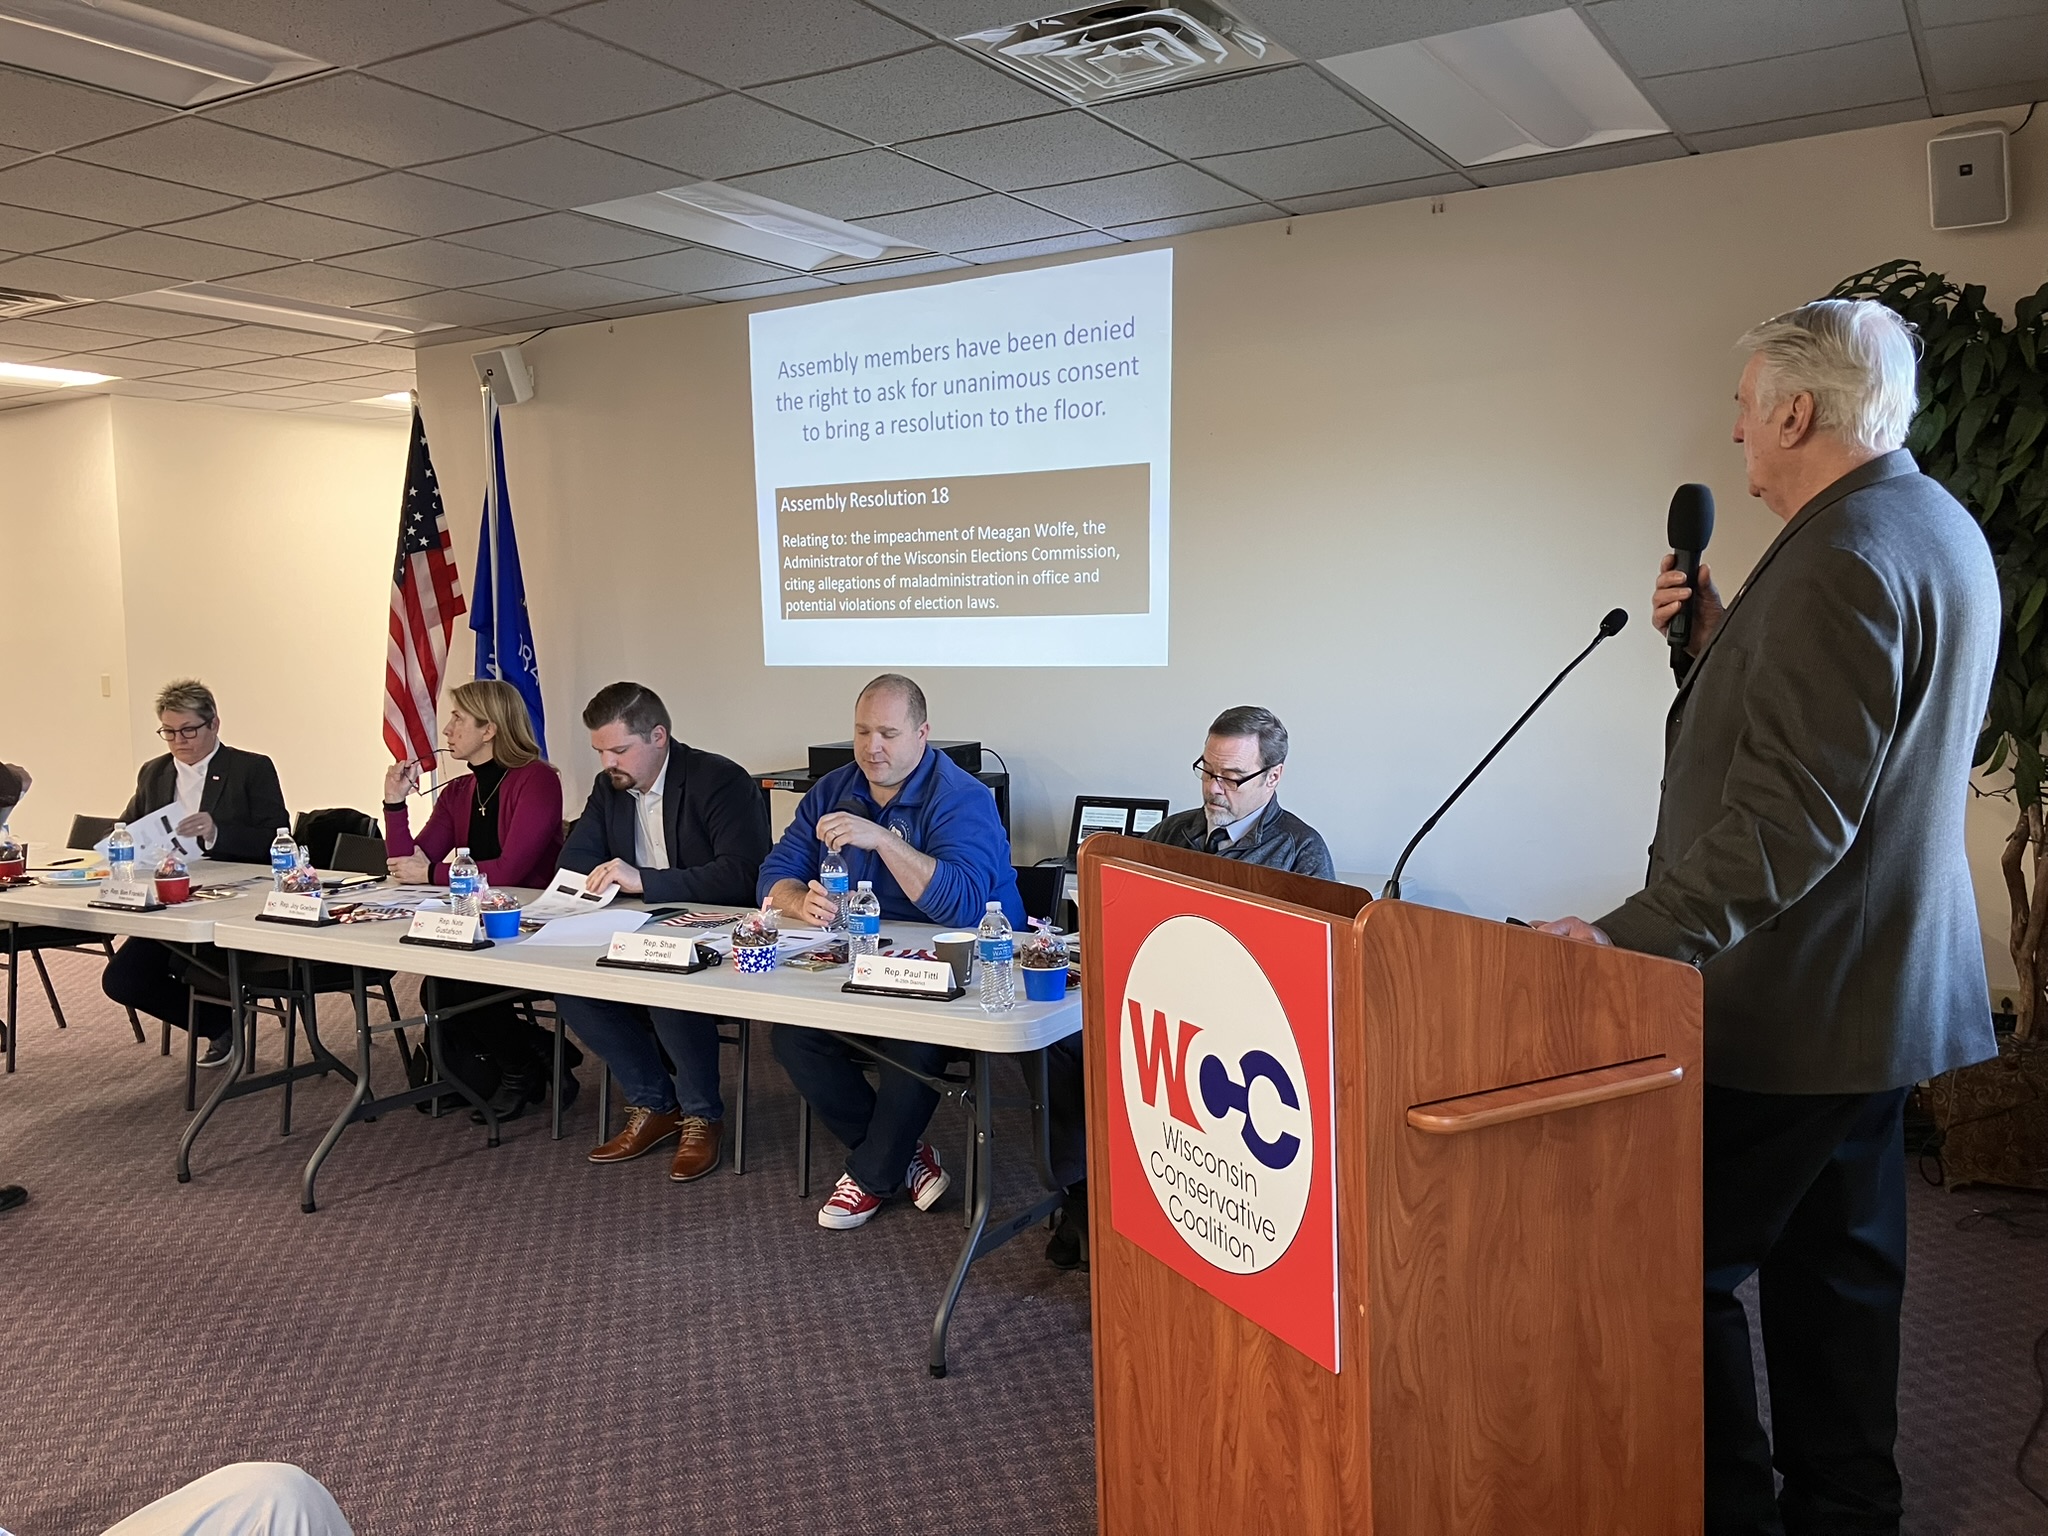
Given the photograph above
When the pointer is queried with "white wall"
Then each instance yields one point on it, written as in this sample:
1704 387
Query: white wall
153 540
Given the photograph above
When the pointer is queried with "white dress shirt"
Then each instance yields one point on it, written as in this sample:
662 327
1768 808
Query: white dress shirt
650 846
192 783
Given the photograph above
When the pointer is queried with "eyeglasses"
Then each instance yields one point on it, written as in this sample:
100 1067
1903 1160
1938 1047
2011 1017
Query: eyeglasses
1235 780
183 732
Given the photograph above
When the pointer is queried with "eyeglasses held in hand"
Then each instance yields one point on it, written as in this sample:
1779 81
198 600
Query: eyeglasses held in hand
1235 780
183 732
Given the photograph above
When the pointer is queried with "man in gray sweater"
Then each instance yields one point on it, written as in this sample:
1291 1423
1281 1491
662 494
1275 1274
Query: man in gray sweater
1809 860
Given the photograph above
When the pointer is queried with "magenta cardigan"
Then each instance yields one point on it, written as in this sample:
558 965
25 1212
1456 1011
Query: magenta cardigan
529 810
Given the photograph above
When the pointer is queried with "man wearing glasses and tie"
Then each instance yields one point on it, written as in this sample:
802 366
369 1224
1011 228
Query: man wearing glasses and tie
230 803
1240 815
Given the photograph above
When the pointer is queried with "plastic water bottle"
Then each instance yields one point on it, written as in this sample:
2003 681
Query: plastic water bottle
832 874
995 953
121 857
284 857
864 921
462 884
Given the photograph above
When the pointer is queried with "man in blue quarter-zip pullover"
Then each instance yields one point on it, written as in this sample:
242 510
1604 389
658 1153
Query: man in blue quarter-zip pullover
924 832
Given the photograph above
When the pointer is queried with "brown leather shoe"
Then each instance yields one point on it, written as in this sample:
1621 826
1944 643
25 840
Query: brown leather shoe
645 1130
699 1150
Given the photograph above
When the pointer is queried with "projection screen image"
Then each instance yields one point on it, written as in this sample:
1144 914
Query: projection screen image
974 473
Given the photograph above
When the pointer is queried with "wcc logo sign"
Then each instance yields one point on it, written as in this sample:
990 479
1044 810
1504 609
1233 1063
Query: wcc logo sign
1218 1026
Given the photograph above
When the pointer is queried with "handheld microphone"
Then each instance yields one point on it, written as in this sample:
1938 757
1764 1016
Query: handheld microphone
1688 525
1609 628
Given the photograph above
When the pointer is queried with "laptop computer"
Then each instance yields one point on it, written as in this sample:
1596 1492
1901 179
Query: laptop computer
1129 815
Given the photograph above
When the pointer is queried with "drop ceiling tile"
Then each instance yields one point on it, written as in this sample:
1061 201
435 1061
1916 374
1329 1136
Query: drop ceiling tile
1086 240
1599 157
1317 29
1953 13
1155 194
452 335
546 76
389 382
199 153
14 156
567 240
883 271
691 269
349 32
63 333
369 355
439 264
310 370
1038 152
666 302
856 186
185 354
255 401
1386 192
39 113
102 362
280 231
95 192
75 279
1668 37
370 119
1157 229
1982 54
974 224
1808 126
1327 165
136 320
270 340
323 392
1990 98
318 283
1255 111
27 229
401 200
19 352
1797 85
555 173
143 250
463 309
571 290
724 136
734 46
160 389
913 96
774 288
954 18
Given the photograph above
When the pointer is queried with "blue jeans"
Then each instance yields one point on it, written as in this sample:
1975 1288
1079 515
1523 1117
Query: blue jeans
626 1036
881 1122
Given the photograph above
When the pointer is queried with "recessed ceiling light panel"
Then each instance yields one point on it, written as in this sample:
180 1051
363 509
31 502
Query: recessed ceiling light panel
246 304
1532 86
141 52
1103 52
20 303
55 378
750 225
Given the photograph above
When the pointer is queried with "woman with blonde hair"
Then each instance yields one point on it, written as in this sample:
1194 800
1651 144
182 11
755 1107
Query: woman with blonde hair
507 811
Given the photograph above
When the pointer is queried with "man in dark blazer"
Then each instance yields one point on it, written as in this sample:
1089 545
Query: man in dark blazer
230 802
667 823
1809 860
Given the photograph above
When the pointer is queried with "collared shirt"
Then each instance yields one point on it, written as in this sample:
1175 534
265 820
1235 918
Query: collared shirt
192 782
650 843
1233 831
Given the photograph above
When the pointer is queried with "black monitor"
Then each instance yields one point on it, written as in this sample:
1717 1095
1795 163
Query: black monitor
1132 816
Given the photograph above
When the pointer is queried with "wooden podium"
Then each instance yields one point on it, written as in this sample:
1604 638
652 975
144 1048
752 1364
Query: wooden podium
1516 1136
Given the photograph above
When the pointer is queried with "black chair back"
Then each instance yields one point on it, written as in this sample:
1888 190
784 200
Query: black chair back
87 830
358 855
317 830
1040 886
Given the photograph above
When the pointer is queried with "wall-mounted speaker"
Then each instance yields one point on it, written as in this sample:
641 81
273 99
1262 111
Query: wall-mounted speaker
505 374
1969 177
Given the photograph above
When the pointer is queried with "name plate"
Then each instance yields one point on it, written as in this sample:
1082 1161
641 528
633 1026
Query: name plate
901 973
449 930
289 907
655 952
129 898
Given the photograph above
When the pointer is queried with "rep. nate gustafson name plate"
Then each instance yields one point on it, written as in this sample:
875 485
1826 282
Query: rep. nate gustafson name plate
968 546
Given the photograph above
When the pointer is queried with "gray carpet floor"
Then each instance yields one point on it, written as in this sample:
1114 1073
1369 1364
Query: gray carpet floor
509 1340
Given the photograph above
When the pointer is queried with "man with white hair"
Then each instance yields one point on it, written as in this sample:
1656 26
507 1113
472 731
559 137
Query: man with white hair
1809 860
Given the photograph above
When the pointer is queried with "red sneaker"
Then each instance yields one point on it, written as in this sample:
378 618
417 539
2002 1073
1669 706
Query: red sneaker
850 1205
925 1178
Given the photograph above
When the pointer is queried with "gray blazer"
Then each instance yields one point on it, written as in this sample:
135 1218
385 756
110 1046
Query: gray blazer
1809 853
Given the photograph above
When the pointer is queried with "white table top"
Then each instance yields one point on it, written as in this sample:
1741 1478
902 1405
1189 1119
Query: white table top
192 922
783 996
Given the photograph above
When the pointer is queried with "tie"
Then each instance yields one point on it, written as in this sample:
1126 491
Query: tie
1219 839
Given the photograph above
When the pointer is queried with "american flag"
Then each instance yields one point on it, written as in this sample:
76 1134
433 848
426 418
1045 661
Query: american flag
426 600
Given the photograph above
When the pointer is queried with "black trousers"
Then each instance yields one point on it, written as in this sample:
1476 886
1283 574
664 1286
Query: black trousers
1066 1099
1808 1193
486 1045
152 979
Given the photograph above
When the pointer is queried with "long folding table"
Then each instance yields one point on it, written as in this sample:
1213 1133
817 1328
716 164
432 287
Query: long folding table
783 996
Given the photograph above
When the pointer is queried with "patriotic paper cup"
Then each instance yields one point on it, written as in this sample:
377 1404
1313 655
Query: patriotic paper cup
754 959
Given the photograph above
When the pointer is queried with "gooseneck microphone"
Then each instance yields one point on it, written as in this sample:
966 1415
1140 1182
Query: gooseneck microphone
1689 525
1609 628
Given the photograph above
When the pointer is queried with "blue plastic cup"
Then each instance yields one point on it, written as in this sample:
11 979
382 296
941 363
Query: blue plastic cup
501 923
1044 986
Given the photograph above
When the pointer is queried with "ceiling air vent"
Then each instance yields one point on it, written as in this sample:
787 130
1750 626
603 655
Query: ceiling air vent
19 303
1107 51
